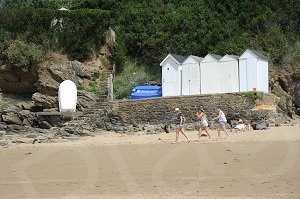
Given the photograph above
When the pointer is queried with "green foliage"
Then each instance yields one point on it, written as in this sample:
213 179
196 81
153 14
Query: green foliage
22 56
94 87
78 33
83 32
278 91
152 29
132 76
5 37
254 95
148 30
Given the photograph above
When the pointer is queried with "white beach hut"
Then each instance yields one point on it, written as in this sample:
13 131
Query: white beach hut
210 74
229 74
172 75
253 71
67 96
191 75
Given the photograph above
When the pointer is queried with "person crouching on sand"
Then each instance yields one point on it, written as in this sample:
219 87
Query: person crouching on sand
221 122
203 122
179 125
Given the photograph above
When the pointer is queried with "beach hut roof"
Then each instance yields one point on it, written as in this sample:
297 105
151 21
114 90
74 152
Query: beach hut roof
255 53
196 58
211 57
217 57
178 58
229 57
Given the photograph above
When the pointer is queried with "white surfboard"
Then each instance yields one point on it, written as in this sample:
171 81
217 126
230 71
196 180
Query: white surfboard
67 96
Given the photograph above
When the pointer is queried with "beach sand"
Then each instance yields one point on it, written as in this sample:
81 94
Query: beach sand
257 164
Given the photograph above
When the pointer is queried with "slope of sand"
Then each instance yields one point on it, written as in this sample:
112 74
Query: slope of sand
258 164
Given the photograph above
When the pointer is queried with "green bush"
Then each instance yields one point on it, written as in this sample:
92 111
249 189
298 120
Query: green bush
22 56
132 75
94 87
78 33
254 95
5 37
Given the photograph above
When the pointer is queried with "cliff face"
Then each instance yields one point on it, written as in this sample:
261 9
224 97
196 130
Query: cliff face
11 82
285 83
51 72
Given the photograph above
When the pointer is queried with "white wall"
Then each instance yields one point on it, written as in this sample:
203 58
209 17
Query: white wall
190 77
194 79
210 77
243 75
170 78
229 76
263 76
185 79
252 74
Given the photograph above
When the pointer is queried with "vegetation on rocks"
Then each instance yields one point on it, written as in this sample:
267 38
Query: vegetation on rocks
148 30
22 56
132 75
253 95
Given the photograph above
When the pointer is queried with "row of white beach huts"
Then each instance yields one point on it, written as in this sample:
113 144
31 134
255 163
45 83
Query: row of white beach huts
214 74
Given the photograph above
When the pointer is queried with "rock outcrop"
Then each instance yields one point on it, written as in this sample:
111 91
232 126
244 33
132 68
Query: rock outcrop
17 83
284 83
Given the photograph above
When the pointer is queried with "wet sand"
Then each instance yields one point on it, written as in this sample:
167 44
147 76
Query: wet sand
257 164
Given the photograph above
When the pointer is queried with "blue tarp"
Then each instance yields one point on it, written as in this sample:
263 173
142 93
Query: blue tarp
141 92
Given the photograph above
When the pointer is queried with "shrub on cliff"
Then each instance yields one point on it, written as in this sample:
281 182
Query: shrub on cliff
22 56
132 76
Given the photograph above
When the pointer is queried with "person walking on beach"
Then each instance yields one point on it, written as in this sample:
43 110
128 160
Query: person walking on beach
179 125
221 122
203 122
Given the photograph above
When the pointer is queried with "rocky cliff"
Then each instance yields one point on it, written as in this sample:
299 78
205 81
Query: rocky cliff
285 83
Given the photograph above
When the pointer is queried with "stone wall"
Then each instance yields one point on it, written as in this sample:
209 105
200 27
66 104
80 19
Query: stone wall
161 110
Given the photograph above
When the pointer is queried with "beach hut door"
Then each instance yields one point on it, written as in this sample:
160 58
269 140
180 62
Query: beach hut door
168 81
194 79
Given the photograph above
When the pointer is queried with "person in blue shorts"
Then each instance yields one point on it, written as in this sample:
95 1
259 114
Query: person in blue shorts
221 122
180 125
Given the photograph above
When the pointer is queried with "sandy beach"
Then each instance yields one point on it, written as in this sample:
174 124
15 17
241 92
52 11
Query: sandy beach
257 164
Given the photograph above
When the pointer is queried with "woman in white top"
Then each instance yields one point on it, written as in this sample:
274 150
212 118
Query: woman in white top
203 122
221 122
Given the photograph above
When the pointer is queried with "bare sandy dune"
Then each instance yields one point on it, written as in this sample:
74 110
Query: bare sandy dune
258 164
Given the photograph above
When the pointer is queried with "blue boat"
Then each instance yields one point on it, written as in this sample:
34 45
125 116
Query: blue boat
146 91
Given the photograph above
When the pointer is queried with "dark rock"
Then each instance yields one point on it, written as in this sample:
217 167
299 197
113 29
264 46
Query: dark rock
85 99
44 101
26 123
18 141
84 133
45 125
88 128
108 126
18 83
69 130
2 133
26 105
12 119
99 124
3 144
31 136
40 139
78 67
64 134
3 126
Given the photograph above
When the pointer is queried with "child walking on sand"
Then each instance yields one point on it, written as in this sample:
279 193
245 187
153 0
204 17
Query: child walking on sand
221 122
203 122
179 125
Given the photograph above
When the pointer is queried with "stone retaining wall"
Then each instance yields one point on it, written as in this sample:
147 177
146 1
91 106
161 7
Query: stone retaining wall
161 110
